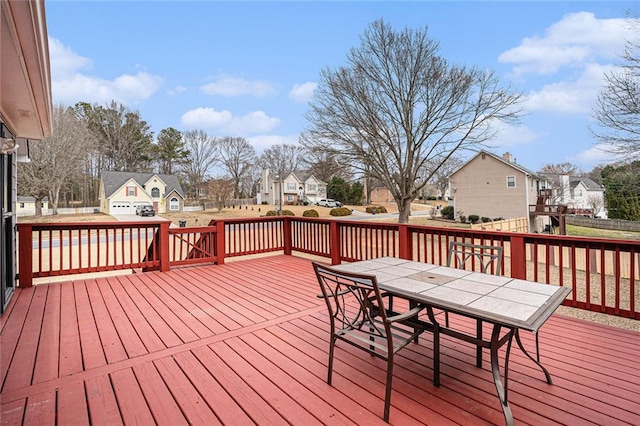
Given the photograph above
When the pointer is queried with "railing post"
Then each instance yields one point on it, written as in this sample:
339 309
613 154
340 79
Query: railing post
163 246
220 241
405 242
334 242
25 255
286 234
518 257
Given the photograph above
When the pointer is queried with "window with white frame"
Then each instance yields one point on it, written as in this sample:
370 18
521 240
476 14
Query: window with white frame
174 204
511 181
290 198
131 191
311 187
155 192
291 186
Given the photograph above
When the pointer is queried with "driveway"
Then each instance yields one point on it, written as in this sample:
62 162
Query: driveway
136 218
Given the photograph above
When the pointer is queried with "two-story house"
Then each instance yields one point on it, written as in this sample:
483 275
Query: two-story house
492 186
122 192
298 187
582 193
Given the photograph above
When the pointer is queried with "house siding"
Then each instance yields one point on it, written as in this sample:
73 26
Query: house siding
480 187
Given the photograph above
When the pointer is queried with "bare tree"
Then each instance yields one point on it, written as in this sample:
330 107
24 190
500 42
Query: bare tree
56 159
557 175
220 191
281 159
595 203
237 158
440 177
325 164
123 138
617 109
203 154
401 110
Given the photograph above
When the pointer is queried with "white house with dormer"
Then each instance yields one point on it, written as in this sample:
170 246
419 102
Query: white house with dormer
298 187
122 192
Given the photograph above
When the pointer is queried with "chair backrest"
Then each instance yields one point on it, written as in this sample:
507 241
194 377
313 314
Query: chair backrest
488 258
352 300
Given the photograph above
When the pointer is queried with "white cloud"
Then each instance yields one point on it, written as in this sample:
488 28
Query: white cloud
262 142
597 154
176 90
570 97
509 135
69 85
226 122
301 93
233 86
576 39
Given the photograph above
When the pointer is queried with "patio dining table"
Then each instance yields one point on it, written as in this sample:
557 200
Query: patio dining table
508 304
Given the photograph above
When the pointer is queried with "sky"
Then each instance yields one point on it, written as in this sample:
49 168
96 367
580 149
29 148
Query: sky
249 68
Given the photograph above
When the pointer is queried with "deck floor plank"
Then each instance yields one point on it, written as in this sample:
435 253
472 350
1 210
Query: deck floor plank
256 408
72 405
131 340
93 354
162 405
208 310
111 344
194 406
133 407
40 409
27 347
46 365
225 408
246 343
103 407
13 320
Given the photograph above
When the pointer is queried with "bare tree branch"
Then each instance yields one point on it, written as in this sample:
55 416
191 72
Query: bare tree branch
399 110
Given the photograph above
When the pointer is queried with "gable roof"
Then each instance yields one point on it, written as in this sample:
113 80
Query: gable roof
588 183
114 180
502 160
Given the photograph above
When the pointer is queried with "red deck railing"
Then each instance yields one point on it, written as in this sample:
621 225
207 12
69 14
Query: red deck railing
602 273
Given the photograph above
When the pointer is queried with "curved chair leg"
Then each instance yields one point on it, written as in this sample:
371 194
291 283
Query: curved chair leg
387 393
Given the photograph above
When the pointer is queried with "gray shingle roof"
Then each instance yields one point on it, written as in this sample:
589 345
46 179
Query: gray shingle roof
590 184
114 180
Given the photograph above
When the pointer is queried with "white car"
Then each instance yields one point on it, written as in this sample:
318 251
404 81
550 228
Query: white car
327 202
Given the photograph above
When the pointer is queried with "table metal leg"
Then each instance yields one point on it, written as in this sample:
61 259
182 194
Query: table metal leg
502 387
535 360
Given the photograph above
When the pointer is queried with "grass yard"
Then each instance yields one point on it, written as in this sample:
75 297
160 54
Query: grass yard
581 231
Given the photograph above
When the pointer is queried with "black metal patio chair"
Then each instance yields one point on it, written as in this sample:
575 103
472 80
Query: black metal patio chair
359 317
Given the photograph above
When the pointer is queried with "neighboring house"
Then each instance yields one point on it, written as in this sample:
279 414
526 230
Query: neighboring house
492 186
582 193
380 195
122 192
299 186
25 115
27 206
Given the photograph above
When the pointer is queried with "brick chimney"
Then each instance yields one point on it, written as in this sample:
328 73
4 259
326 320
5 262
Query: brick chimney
508 157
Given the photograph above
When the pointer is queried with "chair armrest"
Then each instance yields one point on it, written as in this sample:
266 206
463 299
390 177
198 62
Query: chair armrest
406 315
340 293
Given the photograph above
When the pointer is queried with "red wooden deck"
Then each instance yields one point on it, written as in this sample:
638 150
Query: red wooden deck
246 343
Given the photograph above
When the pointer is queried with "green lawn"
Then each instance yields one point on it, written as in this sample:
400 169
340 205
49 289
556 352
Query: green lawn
581 231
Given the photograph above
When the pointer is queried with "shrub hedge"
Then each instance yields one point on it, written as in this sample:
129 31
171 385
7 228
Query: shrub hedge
340 211
310 213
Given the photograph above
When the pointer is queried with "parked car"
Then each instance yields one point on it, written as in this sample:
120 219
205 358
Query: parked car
327 202
145 210
140 206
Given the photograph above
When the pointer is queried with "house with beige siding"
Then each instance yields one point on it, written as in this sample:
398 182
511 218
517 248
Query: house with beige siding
298 187
122 192
496 187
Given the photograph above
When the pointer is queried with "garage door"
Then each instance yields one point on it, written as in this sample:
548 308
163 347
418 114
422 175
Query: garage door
121 207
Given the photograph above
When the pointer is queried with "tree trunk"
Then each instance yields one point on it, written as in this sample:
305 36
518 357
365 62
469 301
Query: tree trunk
404 210
38 203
